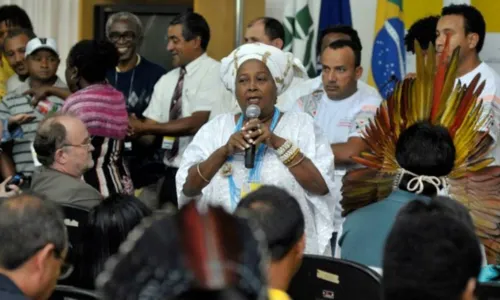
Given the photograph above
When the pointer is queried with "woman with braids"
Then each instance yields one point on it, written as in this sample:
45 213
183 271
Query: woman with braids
102 108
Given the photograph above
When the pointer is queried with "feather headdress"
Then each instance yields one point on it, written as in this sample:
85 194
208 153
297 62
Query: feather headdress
433 96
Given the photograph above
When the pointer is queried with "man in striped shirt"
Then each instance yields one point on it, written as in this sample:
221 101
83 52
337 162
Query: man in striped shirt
23 113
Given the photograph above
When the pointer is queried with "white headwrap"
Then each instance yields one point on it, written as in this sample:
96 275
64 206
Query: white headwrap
282 65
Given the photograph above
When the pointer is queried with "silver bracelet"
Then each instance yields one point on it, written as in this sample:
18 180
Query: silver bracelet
284 148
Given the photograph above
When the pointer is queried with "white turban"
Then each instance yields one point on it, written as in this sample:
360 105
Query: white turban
282 65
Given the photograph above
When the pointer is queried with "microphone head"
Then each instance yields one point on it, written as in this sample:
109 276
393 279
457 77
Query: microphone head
253 111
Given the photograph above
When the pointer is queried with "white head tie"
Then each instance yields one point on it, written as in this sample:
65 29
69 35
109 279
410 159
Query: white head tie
283 66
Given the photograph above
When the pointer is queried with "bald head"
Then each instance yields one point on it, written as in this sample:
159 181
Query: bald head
266 30
62 142
51 135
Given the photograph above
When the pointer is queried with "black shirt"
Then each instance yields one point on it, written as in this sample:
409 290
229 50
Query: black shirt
9 291
137 85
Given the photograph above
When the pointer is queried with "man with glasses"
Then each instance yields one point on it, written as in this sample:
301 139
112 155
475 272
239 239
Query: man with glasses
34 247
63 147
135 77
20 109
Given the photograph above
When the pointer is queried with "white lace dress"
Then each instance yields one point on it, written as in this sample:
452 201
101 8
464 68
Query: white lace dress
300 129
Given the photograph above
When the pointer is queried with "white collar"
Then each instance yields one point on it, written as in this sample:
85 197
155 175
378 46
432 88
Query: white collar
195 64
136 64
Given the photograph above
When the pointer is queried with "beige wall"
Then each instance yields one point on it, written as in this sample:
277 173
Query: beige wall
220 15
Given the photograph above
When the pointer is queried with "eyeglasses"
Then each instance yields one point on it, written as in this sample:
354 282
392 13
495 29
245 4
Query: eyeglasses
85 144
127 36
66 268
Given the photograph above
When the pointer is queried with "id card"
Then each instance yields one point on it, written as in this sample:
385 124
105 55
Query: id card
168 143
249 187
128 145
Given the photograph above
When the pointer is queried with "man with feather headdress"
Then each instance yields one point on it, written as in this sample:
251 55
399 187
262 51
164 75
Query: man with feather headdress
428 117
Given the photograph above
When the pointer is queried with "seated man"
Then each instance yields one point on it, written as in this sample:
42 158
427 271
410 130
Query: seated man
426 153
313 87
431 253
280 217
34 246
42 59
341 109
63 146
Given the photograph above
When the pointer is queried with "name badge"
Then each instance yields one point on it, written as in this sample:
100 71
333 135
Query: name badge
128 145
248 188
168 143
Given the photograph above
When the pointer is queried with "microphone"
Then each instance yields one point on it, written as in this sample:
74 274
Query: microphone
252 112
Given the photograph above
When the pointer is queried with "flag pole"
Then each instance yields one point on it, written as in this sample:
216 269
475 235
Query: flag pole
239 23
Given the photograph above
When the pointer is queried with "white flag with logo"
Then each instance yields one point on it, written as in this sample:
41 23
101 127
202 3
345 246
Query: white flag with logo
301 31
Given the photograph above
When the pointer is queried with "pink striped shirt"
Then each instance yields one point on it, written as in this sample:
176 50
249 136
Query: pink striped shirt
102 108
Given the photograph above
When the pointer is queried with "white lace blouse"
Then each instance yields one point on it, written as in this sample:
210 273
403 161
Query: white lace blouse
300 129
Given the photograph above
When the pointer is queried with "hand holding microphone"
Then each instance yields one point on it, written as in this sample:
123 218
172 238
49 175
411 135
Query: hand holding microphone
251 135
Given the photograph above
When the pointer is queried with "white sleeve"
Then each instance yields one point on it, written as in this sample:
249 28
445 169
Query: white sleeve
155 110
315 146
200 148
490 98
227 103
209 91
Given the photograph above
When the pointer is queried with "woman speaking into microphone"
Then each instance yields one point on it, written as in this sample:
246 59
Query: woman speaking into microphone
233 155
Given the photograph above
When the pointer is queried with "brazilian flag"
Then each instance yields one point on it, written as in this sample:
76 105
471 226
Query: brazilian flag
388 56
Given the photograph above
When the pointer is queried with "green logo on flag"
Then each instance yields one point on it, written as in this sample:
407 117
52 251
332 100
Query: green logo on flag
299 37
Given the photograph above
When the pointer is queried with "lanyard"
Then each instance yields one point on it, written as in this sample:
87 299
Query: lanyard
254 174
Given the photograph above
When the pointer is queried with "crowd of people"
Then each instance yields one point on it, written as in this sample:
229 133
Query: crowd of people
158 161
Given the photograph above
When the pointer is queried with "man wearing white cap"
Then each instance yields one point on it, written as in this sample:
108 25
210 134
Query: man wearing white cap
20 109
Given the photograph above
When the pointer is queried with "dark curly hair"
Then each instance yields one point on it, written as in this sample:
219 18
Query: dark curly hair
424 31
93 59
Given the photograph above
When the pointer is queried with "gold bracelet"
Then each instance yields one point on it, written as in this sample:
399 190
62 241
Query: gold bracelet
292 156
199 173
298 162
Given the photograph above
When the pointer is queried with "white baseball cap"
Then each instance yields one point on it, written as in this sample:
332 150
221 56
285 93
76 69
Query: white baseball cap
41 43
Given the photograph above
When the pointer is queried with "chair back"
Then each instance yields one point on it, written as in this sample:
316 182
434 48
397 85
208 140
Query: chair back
327 278
75 218
66 292
488 291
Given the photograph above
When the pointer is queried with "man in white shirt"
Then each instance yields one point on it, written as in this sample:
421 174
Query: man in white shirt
327 36
466 29
182 99
14 51
341 109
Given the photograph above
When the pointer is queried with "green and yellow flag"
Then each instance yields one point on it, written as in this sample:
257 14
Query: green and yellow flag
388 56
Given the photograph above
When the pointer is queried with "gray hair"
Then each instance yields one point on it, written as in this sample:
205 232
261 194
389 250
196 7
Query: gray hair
128 17
27 224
